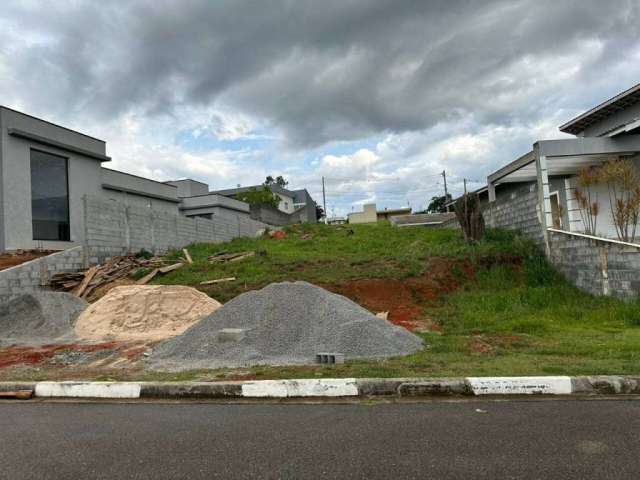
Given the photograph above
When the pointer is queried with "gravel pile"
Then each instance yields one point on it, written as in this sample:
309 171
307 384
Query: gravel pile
39 317
282 324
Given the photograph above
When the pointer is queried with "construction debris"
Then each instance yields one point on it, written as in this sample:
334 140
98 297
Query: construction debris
148 277
170 268
283 324
83 284
144 312
222 257
18 394
218 280
187 256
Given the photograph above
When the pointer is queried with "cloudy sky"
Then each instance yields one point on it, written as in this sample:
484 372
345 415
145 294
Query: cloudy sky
378 96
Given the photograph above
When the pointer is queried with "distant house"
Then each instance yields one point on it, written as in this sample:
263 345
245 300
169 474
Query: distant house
370 214
291 201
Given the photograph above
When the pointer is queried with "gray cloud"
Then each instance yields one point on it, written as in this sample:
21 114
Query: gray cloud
319 71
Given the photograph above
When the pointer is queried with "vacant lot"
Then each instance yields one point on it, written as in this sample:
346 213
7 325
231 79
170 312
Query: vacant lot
496 308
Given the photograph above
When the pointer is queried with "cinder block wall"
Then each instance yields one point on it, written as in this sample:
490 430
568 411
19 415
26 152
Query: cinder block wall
32 276
115 228
516 208
597 267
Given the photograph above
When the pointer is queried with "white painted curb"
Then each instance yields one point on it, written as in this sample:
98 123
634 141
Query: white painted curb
88 389
327 387
520 385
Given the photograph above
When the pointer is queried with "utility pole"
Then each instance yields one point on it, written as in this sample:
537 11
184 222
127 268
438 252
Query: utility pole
465 185
444 176
324 202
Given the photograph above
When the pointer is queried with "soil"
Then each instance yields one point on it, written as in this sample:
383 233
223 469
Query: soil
88 354
8 260
405 299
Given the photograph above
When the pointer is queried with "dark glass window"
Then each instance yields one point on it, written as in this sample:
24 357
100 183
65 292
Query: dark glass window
49 196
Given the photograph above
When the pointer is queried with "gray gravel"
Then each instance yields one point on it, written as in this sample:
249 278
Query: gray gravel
285 323
39 317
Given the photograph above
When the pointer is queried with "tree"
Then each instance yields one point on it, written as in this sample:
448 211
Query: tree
623 182
470 217
279 180
437 204
264 196
587 198
319 212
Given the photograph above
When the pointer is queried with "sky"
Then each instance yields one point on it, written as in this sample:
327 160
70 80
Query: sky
377 96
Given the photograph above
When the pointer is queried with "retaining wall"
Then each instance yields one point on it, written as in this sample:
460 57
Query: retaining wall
31 276
599 267
273 216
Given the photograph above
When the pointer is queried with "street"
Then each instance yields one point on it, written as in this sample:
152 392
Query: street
442 440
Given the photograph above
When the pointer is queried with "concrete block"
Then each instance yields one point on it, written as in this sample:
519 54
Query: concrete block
231 334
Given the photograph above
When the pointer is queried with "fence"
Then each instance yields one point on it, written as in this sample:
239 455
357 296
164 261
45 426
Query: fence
114 227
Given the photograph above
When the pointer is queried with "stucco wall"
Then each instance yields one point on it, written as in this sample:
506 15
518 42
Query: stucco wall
516 208
83 178
597 267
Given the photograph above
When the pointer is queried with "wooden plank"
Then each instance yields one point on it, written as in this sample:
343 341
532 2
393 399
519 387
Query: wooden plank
88 276
242 257
170 268
218 280
148 277
19 394
187 256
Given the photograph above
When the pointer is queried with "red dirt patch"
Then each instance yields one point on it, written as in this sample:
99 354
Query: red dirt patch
26 355
8 260
404 299
488 344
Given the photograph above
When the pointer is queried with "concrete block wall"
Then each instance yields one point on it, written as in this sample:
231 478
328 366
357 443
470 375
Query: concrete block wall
598 267
32 276
273 216
516 208
114 228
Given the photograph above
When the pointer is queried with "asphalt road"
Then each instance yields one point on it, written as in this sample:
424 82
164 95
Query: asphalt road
470 440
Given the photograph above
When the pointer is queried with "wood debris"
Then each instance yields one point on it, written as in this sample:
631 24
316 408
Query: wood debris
218 280
222 257
84 283
187 256
170 268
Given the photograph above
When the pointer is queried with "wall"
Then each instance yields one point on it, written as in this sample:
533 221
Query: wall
113 227
516 208
31 276
138 191
619 118
189 187
273 216
83 178
596 266
368 214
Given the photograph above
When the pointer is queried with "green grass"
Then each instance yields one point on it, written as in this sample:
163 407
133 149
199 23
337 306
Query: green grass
334 255
515 316
518 316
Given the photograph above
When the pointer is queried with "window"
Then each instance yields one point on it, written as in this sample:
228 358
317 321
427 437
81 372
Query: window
49 196
286 205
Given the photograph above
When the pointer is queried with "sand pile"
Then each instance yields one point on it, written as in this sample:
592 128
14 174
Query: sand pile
144 312
284 323
39 317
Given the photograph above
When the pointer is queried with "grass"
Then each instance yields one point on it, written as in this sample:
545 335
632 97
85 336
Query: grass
515 316
518 316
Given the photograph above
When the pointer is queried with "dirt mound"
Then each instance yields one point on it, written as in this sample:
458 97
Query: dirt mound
144 312
284 323
39 317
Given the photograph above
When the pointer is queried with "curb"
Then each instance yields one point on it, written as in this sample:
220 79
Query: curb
335 388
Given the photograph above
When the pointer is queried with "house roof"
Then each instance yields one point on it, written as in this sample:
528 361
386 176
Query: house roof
422 219
622 100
